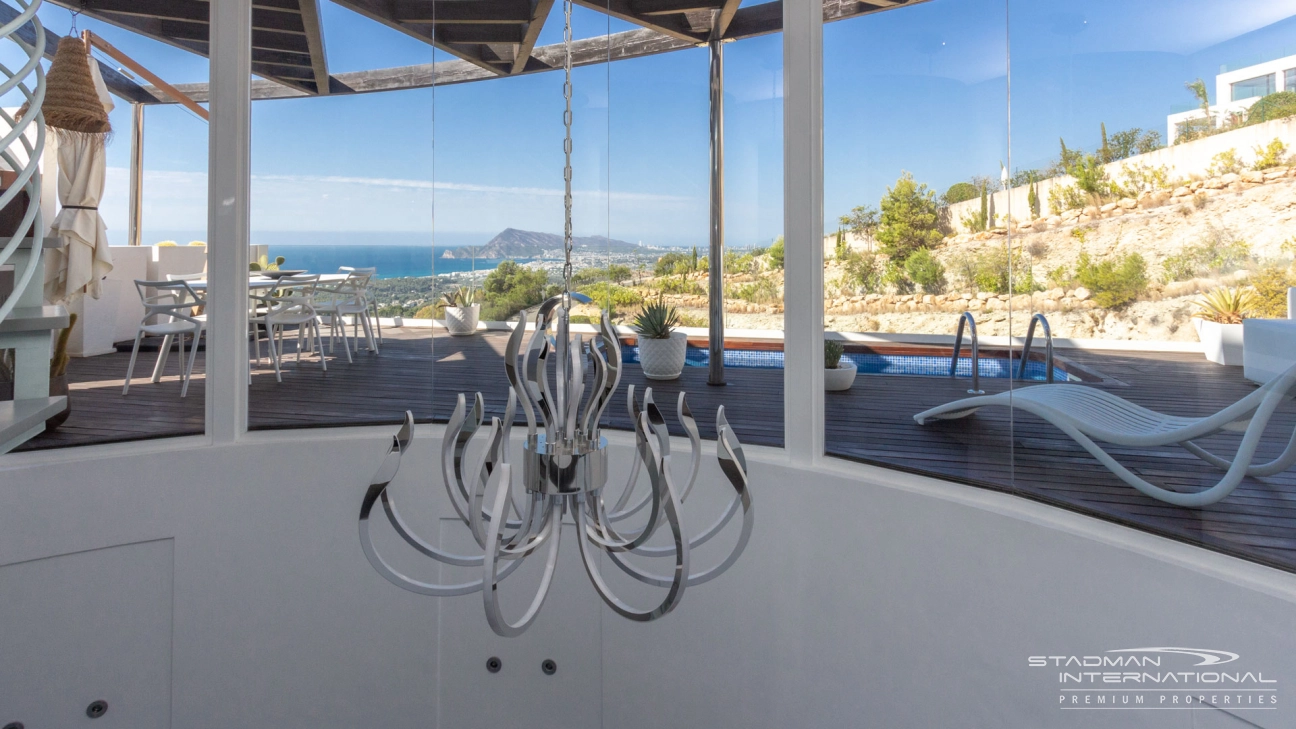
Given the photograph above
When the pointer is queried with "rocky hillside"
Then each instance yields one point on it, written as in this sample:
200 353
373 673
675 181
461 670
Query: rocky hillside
523 244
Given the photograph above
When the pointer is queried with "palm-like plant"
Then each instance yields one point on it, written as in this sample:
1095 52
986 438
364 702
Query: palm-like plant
656 320
1227 306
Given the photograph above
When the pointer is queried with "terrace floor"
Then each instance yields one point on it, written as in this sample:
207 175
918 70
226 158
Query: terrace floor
872 422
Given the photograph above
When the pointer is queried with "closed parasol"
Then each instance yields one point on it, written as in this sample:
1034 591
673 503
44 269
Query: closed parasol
76 107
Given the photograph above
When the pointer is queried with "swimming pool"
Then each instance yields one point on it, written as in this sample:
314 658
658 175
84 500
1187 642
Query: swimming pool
869 363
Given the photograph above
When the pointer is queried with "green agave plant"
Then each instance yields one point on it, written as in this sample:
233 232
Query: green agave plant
1227 306
656 320
463 296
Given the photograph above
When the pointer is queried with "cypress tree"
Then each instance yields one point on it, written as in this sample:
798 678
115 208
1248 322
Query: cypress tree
985 209
1106 152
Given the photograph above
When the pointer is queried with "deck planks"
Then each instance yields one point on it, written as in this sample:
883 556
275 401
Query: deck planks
873 422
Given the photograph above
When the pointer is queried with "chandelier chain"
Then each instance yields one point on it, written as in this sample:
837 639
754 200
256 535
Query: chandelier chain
567 152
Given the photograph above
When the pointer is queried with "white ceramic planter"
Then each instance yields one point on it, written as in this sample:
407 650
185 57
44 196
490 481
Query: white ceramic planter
841 378
462 320
1222 343
663 359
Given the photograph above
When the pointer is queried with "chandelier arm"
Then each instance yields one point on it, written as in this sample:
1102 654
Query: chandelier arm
459 431
702 538
511 370
695 442
562 375
737 476
632 407
576 387
677 585
592 406
613 362
506 435
658 467
659 428
490 595
480 474
378 485
548 410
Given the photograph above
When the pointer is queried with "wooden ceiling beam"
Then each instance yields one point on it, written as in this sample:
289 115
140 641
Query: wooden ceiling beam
310 17
192 11
671 25
726 17
648 8
383 11
478 11
539 13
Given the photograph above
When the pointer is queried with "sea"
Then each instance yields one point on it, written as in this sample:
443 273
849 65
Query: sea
392 261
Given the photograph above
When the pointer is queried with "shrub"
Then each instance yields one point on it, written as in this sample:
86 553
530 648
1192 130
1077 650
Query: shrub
1113 282
1061 278
763 291
863 273
1272 155
910 218
894 275
1091 176
862 221
990 271
776 251
690 320
1274 106
431 311
610 296
1066 197
665 265
511 288
1224 163
680 286
1033 200
1139 178
961 192
925 271
1134 141
735 263
1271 283
1218 252
840 249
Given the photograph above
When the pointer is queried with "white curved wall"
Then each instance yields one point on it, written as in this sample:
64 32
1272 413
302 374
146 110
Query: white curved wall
225 586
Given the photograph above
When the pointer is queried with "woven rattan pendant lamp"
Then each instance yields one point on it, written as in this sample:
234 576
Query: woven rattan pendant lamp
72 105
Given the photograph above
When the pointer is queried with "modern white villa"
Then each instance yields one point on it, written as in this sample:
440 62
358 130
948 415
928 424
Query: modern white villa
1022 459
1237 90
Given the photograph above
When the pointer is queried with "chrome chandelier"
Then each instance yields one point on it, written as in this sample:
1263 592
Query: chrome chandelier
564 470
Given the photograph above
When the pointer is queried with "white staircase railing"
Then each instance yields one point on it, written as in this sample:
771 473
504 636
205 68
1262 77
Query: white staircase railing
29 175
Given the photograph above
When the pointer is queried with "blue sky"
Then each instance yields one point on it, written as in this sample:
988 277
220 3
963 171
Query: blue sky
923 88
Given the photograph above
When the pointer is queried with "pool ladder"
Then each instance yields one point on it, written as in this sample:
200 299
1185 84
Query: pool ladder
966 320
1048 348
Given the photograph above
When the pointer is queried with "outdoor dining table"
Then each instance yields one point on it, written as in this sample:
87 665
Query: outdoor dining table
262 283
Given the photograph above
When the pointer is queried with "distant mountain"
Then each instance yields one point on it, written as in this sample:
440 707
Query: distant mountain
514 243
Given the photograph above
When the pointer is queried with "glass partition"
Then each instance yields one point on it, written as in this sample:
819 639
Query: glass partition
153 204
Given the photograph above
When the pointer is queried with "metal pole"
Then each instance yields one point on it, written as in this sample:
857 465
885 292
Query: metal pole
136 215
715 270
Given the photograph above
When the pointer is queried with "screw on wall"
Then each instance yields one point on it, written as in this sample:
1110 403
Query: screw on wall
97 709
549 667
494 664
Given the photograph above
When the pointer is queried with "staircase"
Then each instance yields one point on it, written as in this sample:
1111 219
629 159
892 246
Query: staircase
25 322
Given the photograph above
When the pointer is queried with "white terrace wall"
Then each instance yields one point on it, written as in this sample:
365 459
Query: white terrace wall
1183 160
195 586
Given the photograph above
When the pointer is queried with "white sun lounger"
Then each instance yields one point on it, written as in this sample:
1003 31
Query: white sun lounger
1088 414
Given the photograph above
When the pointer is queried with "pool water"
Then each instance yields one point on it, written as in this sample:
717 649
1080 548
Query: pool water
869 364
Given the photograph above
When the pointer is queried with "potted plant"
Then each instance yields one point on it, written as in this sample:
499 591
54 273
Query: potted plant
461 311
839 374
1219 323
661 348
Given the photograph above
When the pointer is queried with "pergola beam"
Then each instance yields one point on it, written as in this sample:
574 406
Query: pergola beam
385 12
539 12
310 18
747 22
674 26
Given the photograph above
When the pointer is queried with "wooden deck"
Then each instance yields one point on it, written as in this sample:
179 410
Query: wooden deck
1014 453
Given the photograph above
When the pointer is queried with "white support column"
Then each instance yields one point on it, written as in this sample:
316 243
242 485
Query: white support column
803 393
135 216
228 190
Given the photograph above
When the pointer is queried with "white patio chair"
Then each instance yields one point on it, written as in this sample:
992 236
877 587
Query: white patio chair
343 299
1088 414
369 295
172 303
291 305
